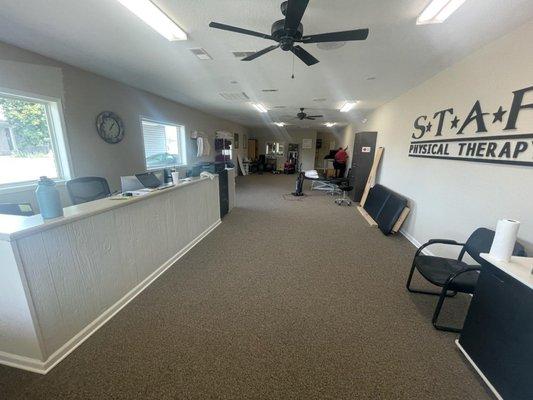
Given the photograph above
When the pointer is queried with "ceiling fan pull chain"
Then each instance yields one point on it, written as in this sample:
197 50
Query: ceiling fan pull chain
292 66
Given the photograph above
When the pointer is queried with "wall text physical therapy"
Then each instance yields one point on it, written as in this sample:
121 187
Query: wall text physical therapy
505 147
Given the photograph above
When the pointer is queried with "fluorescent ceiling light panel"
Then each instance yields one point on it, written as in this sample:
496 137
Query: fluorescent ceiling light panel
259 107
330 124
348 106
157 19
438 11
280 124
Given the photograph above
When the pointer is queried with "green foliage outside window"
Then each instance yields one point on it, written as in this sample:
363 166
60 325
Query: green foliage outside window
29 125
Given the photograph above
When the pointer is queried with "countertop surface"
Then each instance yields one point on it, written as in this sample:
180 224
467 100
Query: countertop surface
13 226
518 267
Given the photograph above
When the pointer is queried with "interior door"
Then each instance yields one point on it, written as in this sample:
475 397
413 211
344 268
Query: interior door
363 156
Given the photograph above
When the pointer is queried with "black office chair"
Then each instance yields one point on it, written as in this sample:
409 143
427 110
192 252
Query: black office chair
90 188
22 209
344 199
454 275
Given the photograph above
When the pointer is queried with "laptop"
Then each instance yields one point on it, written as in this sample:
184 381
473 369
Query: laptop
150 181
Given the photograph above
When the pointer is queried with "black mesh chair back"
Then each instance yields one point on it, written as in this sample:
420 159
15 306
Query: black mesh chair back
22 209
90 188
480 241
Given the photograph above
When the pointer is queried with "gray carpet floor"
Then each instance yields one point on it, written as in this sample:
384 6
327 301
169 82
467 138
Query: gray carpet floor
287 299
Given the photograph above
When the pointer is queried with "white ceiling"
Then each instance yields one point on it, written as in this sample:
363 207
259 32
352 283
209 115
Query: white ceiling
104 37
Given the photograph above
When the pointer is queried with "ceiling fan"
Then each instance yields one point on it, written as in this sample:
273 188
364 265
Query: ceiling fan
289 31
302 115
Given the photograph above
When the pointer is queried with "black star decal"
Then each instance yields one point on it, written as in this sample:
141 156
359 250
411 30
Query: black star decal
498 115
428 128
455 122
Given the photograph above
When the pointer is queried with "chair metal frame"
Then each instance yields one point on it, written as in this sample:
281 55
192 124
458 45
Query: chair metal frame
444 291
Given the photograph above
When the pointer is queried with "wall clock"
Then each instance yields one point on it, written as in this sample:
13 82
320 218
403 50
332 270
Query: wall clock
110 127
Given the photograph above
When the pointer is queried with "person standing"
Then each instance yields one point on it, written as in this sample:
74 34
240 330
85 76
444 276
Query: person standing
341 158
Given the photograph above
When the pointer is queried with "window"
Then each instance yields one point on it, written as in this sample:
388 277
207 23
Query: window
274 149
164 144
31 140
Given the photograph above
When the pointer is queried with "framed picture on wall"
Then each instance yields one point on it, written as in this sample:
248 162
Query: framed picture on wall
235 141
244 141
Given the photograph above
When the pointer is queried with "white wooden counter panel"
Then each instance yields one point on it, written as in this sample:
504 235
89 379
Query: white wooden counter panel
78 271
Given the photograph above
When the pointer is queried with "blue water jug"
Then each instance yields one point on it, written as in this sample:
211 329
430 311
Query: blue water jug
48 198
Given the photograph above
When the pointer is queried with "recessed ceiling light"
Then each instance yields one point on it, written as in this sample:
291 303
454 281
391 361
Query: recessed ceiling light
239 96
157 19
438 11
280 124
348 106
330 124
259 107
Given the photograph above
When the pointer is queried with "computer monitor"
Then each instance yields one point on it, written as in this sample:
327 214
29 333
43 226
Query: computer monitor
130 183
149 180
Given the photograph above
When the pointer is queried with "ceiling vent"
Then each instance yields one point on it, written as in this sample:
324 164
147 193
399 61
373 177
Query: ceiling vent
201 54
242 54
239 96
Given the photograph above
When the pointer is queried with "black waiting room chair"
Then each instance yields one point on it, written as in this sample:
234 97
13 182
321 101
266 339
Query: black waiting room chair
22 209
89 188
452 275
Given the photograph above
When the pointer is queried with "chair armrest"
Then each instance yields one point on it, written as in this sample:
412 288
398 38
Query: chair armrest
437 241
456 274
445 241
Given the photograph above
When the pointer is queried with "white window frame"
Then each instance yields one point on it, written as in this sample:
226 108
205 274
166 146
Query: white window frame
56 126
183 141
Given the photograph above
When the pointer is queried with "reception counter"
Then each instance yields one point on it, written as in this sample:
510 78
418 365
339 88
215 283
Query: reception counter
61 279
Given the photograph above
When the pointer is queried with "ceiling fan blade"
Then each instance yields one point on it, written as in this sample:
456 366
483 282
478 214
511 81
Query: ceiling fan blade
295 12
304 55
230 28
344 36
311 118
316 116
260 53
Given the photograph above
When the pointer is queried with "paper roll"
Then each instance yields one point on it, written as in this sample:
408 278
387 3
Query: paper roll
175 177
504 239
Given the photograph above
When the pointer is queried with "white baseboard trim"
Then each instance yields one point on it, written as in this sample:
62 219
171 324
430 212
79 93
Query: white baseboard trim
492 388
415 242
43 367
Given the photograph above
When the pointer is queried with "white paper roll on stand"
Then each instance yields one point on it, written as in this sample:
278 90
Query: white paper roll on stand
504 239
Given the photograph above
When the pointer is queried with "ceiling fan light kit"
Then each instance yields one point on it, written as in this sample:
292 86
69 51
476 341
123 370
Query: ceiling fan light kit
287 32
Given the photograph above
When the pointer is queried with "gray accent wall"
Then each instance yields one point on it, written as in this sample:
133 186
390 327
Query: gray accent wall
84 95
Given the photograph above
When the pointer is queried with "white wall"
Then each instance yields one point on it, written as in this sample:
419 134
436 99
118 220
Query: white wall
451 198
84 96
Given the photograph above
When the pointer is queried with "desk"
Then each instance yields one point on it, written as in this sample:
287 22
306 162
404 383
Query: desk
61 279
497 336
